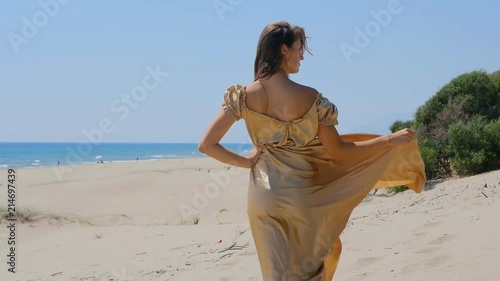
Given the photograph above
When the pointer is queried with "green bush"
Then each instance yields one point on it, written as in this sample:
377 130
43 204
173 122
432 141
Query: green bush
496 78
442 141
399 125
436 158
458 129
397 189
492 131
475 146
429 154
474 93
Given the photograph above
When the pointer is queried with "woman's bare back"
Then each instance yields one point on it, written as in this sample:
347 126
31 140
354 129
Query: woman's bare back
280 98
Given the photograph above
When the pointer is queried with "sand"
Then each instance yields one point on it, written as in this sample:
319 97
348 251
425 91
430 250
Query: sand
185 219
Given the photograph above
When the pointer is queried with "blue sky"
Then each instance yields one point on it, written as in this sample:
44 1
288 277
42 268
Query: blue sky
67 66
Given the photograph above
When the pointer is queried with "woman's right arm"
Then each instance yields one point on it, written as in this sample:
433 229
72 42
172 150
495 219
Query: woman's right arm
340 150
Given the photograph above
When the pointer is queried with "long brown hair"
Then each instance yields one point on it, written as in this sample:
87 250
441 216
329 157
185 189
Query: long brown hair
268 59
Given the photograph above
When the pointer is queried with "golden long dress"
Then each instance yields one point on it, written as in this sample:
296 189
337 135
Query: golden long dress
299 198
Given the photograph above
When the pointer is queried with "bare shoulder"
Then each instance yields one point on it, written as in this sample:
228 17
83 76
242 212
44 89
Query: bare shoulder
256 97
309 91
253 88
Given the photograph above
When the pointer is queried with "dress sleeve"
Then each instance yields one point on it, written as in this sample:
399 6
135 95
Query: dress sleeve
234 101
327 111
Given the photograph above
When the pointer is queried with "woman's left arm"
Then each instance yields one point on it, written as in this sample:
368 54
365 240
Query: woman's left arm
209 143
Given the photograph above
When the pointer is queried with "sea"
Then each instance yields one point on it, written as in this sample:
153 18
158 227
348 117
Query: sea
45 154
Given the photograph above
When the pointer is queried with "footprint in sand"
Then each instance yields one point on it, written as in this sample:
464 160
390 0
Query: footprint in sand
436 243
430 263
480 203
426 251
431 224
443 239
368 261
420 234
437 261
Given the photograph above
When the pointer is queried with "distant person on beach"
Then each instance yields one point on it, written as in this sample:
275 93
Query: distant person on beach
305 178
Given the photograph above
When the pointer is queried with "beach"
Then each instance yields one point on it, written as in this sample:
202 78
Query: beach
185 219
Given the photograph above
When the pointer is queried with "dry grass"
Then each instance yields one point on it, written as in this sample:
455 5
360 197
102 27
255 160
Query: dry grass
193 220
26 215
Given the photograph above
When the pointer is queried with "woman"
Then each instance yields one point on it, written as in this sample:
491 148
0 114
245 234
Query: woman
305 179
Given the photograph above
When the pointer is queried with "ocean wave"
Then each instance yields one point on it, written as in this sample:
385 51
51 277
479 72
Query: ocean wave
174 155
122 161
177 156
35 155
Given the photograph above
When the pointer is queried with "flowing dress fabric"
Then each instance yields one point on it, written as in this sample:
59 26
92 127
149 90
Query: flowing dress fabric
299 198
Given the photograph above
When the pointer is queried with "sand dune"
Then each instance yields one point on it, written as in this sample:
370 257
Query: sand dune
185 219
